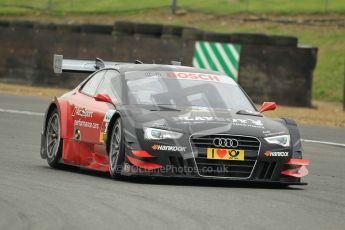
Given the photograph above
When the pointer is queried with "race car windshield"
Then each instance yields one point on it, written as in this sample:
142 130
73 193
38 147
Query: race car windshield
186 89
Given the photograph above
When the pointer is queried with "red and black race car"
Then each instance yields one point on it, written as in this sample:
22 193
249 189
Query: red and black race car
168 120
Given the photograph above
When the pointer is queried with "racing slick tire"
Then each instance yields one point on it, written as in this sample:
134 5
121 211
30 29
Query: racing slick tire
53 142
116 149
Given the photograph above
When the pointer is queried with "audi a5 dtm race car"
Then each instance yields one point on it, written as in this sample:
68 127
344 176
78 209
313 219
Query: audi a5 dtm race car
168 121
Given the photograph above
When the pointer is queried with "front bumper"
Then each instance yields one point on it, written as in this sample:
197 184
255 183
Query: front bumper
132 171
256 167
263 172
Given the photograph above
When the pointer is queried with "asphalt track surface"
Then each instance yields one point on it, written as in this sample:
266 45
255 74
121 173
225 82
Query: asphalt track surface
34 196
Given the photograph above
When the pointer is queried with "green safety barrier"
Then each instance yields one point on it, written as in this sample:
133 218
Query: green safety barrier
222 57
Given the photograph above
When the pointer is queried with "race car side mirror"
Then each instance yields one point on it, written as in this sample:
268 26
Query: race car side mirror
266 106
103 97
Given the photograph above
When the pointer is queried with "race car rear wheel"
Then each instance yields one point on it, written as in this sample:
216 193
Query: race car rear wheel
53 142
116 150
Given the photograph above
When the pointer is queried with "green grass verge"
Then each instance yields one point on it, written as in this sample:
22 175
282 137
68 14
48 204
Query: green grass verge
225 7
220 7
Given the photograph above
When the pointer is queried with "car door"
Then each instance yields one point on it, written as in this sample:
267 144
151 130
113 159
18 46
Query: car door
87 112
111 86
87 117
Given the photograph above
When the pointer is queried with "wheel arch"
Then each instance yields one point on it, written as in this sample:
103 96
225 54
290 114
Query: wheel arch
295 135
49 111
115 116
62 107
55 104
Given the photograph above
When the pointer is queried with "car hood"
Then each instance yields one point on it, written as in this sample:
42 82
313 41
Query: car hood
201 120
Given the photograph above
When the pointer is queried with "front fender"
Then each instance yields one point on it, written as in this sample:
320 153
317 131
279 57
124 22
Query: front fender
63 109
296 143
109 120
49 109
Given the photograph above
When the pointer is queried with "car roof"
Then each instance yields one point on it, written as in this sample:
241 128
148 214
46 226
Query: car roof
158 67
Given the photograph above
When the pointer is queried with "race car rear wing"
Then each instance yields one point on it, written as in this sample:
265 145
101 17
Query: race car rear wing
81 66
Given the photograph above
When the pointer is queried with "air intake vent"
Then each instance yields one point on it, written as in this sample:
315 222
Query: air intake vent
225 168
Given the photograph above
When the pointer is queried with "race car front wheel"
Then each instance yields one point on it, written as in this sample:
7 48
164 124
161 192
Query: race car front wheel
53 142
116 150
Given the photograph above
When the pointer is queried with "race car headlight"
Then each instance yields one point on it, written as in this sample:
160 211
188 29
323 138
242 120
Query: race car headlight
283 140
159 134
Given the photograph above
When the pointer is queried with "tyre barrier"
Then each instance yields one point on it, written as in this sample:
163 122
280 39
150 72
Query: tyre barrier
4 23
277 40
172 31
68 28
154 30
27 51
97 29
21 24
192 34
124 27
250 38
217 37
45 26
158 30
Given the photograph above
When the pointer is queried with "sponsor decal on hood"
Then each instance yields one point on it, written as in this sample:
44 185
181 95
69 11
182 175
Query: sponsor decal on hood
246 122
169 148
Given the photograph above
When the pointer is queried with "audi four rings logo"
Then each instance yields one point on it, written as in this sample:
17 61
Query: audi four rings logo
225 142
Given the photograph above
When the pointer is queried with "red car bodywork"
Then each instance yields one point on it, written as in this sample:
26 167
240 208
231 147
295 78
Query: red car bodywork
91 151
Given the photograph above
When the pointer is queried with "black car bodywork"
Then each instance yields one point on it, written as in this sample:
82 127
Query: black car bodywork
210 142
